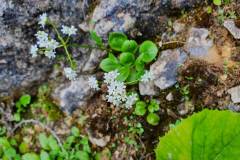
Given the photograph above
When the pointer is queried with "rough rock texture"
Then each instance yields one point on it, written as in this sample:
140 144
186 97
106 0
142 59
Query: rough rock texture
73 94
235 94
165 68
232 28
148 89
198 44
18 24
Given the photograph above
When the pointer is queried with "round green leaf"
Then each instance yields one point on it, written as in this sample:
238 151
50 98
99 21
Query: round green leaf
23 147
25 100
108 64
129 46
209 135
44 155
153 119
139 64
30 156
149 51
116 40
124 73
153 106
140 108
217 2
126 58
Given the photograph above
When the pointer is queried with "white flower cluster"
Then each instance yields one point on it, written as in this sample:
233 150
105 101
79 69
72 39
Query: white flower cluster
43 41
43 20
93 83
69 30
117 94
70 73
148 76
131 100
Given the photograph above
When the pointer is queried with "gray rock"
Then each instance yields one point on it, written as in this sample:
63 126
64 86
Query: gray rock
235 94
148 89
169 97
165 68
198 44
232 28
18 24
73 94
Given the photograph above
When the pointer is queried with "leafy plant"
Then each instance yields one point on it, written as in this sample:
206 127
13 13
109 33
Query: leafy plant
21 105
209 134
141 109
129 63
217 2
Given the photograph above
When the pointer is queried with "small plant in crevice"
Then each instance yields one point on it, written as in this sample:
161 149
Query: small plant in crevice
21 106
141 108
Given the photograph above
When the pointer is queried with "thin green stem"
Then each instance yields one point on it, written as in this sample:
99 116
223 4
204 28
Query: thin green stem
64 44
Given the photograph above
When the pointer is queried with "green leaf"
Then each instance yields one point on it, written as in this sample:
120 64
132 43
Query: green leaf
148 50
17 117
44 155
126 58
25 100
217 2
208 135
97 39
75 131
129 46
23 147
139 64
123 73
116 40
153 119
153 106
10 153
86 147
110 63
53 144
43 141
140 108
81 155
30 156
134 76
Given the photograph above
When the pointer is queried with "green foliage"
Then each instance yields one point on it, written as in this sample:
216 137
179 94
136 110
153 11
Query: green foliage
217 2
96 38
21 106
130 63
7 150
148 51
209 134
116 40
30 156
153 119
141 109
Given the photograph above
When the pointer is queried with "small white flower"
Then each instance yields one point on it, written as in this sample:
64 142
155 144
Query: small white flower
148 76
110 76
69 30
131 100
33 51
52 44
50 54
42 19
93 83
70 73
42 38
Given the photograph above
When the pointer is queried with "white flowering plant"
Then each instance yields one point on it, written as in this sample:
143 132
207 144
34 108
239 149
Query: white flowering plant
131 58
47 45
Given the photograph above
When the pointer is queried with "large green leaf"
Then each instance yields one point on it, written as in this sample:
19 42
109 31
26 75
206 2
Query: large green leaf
124 73
148 50
129 46
97 39
208 135
30 156
116 40
110 63
126 58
